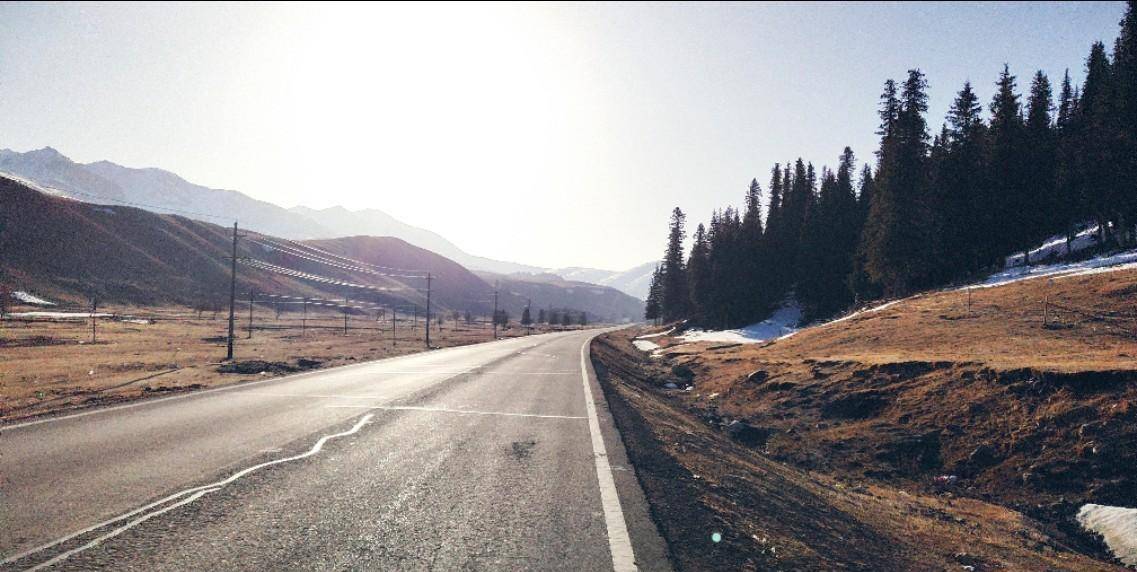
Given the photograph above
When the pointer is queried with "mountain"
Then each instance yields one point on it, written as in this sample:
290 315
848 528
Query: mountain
633 281
50 168
549 290
375 222
68 250
154 189
161 191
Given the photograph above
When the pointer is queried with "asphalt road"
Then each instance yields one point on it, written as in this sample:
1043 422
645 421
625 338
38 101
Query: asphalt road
495 456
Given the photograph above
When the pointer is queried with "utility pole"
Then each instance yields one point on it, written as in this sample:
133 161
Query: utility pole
345 303
304 319
252 296
232 293
428 278
528 309
393 312
414 320
94 307
495 313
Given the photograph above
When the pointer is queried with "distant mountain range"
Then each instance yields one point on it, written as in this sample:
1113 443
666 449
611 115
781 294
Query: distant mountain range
161 191
633 281
66 250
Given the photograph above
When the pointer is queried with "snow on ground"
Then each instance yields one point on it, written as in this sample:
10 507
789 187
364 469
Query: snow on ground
31 299
1106 263
56 315
1055 247
1116 525
656 335
784 321
645 345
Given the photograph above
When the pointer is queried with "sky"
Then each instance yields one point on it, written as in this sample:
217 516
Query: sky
547 134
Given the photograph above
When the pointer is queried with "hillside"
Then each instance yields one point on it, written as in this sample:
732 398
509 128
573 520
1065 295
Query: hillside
343 222
65 249
164 192
1018 394
550 290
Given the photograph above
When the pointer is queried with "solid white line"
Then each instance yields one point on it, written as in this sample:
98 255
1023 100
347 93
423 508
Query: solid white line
190 491
620 544
449 410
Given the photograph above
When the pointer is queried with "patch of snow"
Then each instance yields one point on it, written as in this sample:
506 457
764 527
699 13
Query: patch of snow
137 321
1116 525
1105 263
57 315
782 323
1055 247
645 345
32 299
656 335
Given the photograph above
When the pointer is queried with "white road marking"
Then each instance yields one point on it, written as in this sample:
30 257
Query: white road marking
450 410
119 530
620 544
193 492
316 395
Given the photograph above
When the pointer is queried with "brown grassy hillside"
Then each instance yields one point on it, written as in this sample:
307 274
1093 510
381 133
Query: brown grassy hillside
67 250
1029 400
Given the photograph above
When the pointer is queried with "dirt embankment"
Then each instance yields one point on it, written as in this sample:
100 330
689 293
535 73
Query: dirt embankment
1001 420
703 478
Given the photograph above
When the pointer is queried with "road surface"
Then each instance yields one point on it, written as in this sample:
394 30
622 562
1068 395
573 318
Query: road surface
494 456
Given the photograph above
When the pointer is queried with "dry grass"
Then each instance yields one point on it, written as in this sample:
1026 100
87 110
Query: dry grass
50 366
1035 416
1003 330
775 515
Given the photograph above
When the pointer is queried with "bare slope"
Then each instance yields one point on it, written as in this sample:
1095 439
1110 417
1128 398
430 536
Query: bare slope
68 249
1028 400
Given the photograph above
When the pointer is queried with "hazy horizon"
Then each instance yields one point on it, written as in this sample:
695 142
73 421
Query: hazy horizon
488 123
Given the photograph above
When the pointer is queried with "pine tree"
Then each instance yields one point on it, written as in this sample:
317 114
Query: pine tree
961 191
1042 198
1006 172
1099 141
1125 94
861 285
895 242
699 275
674 298
651 305
526 318
755 284
1071 210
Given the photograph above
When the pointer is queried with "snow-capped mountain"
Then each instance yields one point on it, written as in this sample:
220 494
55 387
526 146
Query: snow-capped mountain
633 281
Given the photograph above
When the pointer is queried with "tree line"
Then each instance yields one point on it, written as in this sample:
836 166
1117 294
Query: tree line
935 209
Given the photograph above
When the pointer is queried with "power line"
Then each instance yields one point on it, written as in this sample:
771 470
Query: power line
284 271
271 245
332 258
